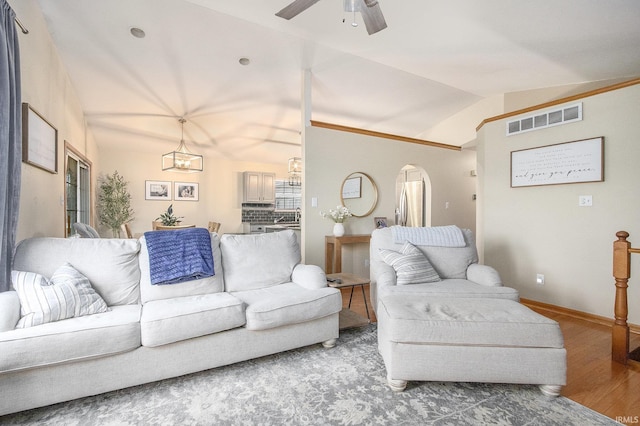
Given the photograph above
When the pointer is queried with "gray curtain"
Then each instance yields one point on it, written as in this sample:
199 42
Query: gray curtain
10 140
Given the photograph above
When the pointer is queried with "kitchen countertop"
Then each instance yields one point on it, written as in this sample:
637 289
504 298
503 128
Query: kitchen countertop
259 227
283 225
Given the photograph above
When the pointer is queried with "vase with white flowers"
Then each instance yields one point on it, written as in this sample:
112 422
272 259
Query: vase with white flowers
338 216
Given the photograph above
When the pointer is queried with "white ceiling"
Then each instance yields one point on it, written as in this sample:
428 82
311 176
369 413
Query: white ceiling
436 58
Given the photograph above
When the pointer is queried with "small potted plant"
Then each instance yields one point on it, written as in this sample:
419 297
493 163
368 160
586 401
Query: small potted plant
338 216
168 218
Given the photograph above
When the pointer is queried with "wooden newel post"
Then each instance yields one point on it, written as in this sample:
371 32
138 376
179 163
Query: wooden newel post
621 273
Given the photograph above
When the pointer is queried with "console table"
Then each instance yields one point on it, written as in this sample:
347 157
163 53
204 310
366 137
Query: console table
333 250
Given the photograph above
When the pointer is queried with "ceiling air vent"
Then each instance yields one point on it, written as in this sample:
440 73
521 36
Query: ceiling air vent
555 117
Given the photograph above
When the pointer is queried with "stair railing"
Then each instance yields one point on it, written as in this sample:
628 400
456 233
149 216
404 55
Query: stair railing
622 251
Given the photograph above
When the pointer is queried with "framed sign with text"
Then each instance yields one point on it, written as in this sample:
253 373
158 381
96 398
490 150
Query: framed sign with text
570 162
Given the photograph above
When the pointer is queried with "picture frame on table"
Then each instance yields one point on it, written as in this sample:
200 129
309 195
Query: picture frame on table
380 222
157 190
39 140
186 191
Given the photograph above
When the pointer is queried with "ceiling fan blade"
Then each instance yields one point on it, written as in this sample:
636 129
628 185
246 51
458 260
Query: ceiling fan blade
372 16
298 6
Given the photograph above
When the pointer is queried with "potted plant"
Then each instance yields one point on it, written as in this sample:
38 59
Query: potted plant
114 203
338 216
168 218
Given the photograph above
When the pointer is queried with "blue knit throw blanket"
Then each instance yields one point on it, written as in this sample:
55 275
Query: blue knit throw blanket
180 255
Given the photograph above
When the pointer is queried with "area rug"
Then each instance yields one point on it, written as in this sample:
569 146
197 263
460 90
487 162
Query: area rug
344 385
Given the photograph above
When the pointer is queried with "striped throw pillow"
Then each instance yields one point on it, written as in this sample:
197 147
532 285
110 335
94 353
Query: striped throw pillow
67 294
411 265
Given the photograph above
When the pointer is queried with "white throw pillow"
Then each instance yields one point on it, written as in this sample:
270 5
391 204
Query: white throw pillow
411 265
67 294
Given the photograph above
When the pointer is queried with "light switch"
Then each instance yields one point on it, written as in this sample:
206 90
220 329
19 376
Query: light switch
314 201
585 201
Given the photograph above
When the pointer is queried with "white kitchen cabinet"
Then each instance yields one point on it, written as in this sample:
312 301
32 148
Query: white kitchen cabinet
259 187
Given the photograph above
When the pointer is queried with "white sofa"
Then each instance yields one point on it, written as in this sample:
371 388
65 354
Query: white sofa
260 301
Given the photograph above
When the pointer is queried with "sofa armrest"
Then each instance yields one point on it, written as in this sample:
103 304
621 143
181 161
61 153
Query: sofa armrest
9 310
309 276
484 274
383 279
386 277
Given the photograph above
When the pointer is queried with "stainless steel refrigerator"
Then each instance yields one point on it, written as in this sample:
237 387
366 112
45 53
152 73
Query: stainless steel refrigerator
410 203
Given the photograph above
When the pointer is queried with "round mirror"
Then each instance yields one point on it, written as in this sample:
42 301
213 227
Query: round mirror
359 194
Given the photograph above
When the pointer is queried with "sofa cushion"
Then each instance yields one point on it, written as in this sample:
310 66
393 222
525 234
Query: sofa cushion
171 320
214 284
452 288
67 294
289 303
259 260
411 265
488 322
449 262
73 339
110 264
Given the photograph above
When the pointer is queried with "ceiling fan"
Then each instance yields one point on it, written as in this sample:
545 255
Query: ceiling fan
369 9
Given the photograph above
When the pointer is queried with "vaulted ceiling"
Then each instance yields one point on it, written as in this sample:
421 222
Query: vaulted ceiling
436 58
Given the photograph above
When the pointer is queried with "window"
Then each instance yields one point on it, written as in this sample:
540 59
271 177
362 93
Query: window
77 189
288 197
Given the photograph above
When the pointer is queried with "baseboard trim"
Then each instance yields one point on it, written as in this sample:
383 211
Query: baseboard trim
633 328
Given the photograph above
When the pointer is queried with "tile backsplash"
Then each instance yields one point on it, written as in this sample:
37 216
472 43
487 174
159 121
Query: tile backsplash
264 213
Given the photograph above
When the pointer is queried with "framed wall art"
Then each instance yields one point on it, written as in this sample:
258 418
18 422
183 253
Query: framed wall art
186 191
39 140
351 188
568 162
157 190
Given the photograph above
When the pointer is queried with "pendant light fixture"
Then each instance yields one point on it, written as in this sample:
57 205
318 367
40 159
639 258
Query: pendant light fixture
182 160
295 171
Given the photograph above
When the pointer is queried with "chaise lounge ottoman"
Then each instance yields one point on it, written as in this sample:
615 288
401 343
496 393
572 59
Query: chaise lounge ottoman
469 340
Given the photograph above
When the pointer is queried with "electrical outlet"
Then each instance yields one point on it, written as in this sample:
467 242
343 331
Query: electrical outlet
539 279
366 263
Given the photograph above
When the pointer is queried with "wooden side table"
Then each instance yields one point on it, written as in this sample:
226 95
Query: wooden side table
348 318
333 250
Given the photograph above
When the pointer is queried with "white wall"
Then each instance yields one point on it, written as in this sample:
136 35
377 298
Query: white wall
460 128
47 88
330 156
220 188
543 230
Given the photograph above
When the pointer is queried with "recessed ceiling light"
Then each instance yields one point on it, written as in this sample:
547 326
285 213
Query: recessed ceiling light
244 61
137 32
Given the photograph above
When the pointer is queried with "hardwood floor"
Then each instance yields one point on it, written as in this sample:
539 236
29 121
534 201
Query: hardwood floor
593 380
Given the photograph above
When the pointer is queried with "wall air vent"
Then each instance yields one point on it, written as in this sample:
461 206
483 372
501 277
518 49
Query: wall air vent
555 117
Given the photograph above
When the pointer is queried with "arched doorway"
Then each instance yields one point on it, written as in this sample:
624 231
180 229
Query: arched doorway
413 197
